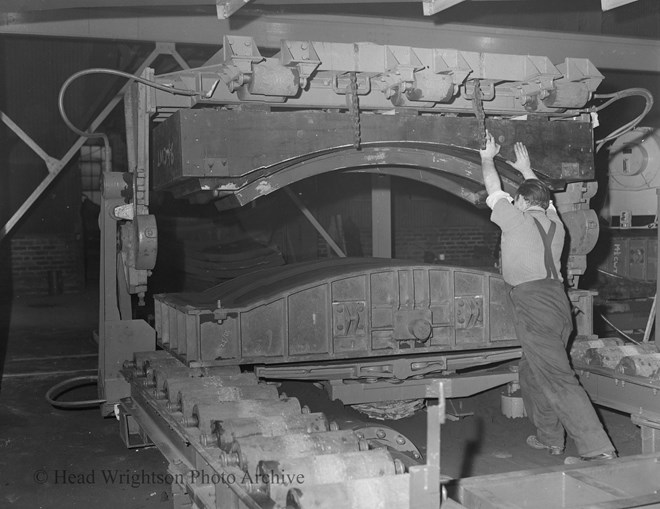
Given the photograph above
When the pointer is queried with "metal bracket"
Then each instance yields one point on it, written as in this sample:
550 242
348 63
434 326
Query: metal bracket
452 62
650 433
401 63
130 431
425 490
354 392
469 312
302 56
239 54
487 89
349 318
581 70
342 84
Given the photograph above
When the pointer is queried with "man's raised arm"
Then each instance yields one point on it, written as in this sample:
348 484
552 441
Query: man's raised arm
490 175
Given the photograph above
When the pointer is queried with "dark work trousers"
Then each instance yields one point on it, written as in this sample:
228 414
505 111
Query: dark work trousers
552 395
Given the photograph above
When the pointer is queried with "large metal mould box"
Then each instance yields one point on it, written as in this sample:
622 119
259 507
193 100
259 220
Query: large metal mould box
338 309
627 482
223 150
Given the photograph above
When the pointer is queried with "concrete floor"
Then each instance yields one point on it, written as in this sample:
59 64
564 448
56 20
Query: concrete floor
51 458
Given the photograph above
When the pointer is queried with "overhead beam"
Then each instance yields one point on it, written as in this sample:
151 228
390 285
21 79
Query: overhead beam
430 7
623 53
226 8
613 4
42 5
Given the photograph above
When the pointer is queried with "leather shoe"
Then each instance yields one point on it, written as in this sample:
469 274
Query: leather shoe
535 443
570 460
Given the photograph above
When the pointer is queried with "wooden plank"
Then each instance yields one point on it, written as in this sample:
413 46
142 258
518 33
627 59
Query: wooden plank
230 144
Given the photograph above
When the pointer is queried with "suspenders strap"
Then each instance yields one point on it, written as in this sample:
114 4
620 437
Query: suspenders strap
551 270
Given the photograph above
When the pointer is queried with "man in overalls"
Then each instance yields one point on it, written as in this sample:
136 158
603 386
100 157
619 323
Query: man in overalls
532 243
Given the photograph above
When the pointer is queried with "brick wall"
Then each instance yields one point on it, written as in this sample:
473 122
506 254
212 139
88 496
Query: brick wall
424 219
468 246
32 258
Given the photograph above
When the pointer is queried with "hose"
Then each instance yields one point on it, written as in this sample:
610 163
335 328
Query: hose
622 94
72 383
114 72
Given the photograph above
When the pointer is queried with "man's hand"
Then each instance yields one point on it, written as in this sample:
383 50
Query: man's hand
522 163
492 148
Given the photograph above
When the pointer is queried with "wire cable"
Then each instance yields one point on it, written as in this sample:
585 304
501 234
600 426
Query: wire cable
617 329
72 383
114 72
616 96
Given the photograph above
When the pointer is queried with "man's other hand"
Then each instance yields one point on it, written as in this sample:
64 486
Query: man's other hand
522 163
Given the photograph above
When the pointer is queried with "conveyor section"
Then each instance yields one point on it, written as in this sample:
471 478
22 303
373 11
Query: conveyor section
233 441
625 377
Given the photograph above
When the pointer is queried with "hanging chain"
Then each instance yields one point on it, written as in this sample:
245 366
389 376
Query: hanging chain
354 109
478 106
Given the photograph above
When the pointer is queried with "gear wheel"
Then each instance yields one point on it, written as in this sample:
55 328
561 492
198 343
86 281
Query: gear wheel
391 410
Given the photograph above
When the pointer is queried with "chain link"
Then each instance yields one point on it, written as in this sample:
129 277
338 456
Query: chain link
354 109
478 106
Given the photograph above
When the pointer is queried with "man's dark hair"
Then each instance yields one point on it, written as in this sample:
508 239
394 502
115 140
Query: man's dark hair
535 192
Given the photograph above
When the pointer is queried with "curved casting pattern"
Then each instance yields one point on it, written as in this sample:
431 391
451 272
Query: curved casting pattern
453 169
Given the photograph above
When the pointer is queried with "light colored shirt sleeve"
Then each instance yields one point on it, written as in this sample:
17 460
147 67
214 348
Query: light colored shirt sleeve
497 196
506 215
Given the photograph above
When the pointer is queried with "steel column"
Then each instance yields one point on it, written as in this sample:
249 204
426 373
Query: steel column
381 216
119 335
657 320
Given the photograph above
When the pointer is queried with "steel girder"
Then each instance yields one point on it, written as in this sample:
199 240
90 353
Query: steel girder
623 53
